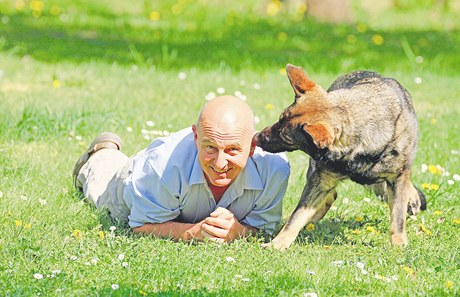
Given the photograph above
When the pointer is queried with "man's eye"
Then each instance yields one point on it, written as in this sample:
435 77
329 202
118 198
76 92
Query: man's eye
210 147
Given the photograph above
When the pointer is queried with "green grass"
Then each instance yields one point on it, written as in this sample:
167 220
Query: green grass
114 68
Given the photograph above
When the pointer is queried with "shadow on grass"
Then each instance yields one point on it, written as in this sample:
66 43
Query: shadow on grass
331 232
251 44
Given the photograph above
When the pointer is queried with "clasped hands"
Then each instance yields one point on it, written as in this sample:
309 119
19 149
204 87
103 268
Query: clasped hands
222 226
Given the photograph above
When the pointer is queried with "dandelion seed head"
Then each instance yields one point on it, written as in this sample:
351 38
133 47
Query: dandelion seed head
210 96
115 287
220 90
182 75
73 258
42 201
1 194
121 257
230 259
367 200
450 182
38 276
112 228
360 265
310 294
245 279
256 86
456 177
419 59
150 123
345 200
418 80
256 119
424 168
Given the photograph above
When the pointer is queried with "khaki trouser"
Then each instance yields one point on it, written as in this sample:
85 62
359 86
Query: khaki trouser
102 178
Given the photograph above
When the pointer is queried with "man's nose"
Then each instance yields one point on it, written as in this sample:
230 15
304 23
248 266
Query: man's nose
221 160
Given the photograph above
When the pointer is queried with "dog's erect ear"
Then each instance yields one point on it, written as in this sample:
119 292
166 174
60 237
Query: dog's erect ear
299 80
321 133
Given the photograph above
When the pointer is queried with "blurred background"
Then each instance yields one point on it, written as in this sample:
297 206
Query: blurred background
320 35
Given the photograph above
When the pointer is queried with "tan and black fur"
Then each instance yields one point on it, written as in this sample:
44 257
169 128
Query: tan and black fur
363 128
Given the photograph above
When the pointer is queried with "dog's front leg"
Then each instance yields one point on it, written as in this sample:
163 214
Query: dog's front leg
312 206
399 192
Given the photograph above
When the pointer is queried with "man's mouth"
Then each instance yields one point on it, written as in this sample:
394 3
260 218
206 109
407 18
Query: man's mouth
220 171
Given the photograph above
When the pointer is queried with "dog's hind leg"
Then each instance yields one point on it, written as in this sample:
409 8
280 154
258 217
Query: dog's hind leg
399 192
313 205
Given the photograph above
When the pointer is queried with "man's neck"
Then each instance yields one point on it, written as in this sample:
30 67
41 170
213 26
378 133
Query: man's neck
217 192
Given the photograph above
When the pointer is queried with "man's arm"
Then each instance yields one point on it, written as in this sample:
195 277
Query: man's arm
175 230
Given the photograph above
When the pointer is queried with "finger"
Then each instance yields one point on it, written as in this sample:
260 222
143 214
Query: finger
222 213
212 238
219 222
214 231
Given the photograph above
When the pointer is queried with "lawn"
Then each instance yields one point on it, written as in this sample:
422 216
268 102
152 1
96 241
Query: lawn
71 69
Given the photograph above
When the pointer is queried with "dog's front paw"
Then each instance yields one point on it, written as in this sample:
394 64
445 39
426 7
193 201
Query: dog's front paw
276 245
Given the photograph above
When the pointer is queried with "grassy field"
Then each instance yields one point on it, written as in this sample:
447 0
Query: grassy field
71 69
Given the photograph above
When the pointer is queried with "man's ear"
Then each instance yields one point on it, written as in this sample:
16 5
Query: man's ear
253 146
195 134
321 133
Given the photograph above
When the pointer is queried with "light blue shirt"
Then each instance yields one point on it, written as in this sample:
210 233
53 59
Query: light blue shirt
167 183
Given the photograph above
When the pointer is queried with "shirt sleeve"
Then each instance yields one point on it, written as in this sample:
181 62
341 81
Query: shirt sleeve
268 207
150 201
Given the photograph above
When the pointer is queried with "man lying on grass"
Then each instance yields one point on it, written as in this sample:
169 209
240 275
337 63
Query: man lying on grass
207 181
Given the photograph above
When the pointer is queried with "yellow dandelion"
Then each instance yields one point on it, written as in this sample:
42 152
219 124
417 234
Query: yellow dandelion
310 227
282 71
351 38
282 36
154 16
449 285
456 221
409 270
327 247
18 223
269 106
177 9
101 234
55 10
56 83
77 234
377 39
302 8
28 225
434 121
356 232
434 187
425 186
424 229
370 229
361 28
36 5
143 293
437 212
273 7
359 219
435 170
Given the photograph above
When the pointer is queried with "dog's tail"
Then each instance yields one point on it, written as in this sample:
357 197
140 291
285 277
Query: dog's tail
417 202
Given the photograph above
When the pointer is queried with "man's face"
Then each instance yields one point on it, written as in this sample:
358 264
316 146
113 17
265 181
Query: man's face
222 156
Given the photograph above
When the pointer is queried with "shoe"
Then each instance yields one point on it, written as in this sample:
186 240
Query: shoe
104 140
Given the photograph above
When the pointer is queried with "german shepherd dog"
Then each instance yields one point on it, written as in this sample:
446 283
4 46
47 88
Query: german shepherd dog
363 128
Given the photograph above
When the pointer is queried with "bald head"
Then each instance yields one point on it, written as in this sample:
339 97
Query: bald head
227 113
223 137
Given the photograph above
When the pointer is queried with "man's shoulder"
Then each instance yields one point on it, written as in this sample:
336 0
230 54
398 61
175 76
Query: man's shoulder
174 150
270 162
